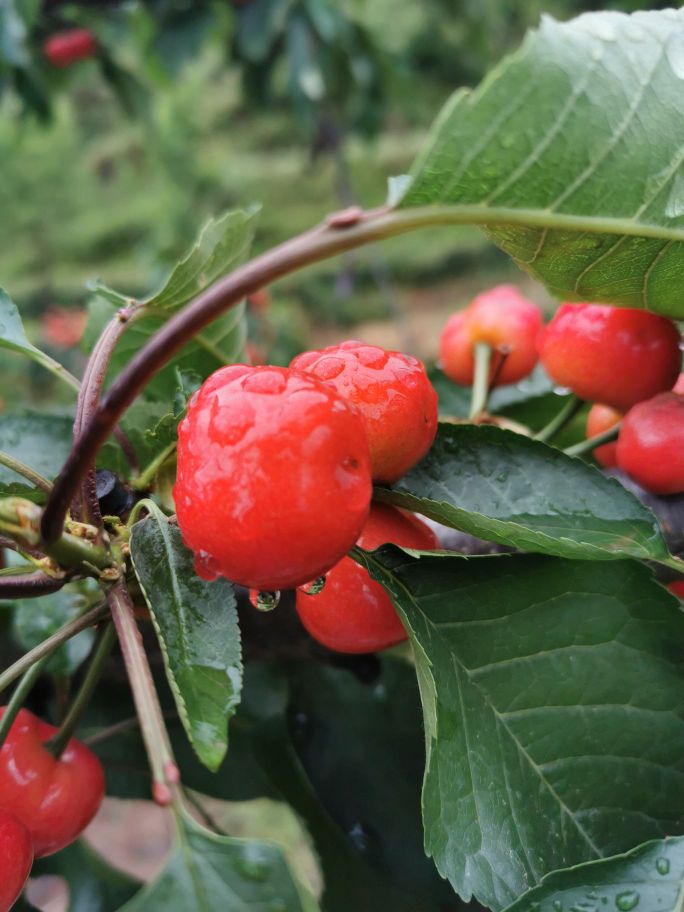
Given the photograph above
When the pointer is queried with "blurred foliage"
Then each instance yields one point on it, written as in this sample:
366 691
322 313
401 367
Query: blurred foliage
191 107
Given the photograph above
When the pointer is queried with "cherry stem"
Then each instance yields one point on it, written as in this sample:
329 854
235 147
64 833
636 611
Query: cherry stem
586 446
16 465
339 232
146 477
53 642
564 417
103 646
483 359
17 699
165 773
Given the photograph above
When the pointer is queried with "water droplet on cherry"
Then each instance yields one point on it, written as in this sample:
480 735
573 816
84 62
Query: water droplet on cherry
313 587
264 601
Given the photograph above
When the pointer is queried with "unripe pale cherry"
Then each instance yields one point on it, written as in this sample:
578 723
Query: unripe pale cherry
393 394
651 444
503 318
613 355
273 482
601 418
353 613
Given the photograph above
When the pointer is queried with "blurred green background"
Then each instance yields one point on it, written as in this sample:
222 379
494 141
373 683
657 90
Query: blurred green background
110 166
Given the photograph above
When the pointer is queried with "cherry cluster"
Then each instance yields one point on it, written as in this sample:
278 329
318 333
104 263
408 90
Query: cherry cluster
275 474
45 801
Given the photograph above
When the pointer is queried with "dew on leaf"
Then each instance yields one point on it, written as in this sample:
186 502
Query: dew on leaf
627 900
557 905
663 865
251 866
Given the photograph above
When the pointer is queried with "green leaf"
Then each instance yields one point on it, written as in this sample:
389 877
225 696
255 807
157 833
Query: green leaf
209 873
196 623
553 697
35 620
12 333
223 244
506 488
649 877
554 155
40 441
93 885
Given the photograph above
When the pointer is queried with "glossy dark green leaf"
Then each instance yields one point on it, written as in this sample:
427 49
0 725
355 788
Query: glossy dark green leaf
196 623
93 885
504 487
361 746
553 701
650 877
37 619
41 441
259 26
208 873
554 155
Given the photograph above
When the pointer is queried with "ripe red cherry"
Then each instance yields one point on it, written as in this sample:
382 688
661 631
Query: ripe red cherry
54 799
16 858
393 394
504 319
614 355
273 482
677 588
601 418
353 613
651 444
65 48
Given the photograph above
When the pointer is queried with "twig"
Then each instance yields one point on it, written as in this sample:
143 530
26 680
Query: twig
53 642
16 465
563 418
29 585
17 700
57 744
165 773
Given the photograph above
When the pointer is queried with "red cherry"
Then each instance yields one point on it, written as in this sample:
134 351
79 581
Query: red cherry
501 317
601 418
64 48
651 444
617 356
16 858
273 482
677 588
393 394
353 613
54 799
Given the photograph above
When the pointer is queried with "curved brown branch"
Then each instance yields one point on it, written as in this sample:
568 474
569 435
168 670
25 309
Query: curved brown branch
342 231
29 585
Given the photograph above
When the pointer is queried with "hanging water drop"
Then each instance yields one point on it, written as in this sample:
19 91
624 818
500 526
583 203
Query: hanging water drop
663 866
557 905
313 587
627 901
264 601
252 865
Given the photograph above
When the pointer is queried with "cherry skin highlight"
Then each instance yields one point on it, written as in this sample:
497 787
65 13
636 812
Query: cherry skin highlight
613 355
54 799
353 613
64 48
16 858
602 418
273 482
393 394
503 318
651 444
